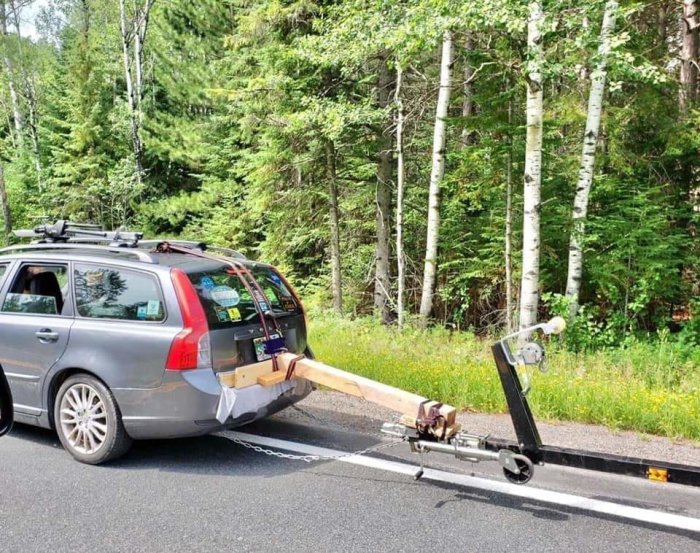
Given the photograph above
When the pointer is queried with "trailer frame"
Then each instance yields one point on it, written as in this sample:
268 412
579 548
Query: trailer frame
530 444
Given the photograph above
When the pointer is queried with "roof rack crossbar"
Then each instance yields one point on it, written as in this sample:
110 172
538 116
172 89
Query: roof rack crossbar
65 231
140 254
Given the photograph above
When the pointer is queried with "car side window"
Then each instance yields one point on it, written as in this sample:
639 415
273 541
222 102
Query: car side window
38 289
3 270
112 293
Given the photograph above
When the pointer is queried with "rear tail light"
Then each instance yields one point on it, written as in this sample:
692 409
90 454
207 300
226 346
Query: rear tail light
191 348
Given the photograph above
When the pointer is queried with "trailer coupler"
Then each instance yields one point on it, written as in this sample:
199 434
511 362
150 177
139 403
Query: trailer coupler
517 468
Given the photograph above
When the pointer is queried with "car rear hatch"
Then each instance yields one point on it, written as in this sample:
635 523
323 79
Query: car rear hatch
236 334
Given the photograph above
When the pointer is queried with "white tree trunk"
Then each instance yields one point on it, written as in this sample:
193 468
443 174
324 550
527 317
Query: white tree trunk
29 92
134 32
400 184
468 89
382 281
6 217
690 24
7 62
141 27
509 226
334 215
126 36
436 174
529 286
590 139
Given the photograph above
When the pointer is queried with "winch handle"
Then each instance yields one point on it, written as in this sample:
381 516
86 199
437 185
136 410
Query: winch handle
555 325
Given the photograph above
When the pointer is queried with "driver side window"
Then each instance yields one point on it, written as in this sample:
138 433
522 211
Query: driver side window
38 289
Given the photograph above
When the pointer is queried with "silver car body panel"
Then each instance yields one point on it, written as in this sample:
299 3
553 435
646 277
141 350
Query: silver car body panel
130 356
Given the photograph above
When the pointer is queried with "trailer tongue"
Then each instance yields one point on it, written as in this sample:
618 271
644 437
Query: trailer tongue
430 426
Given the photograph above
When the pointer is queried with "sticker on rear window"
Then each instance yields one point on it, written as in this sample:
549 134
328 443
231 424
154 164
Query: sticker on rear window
222 314
141 311
225 296
234 313
288 303
207 282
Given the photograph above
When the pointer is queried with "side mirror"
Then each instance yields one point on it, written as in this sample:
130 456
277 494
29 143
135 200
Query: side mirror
6 409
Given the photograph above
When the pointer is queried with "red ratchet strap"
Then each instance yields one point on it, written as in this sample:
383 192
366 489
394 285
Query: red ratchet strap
167 247
292 365
252 280
431 419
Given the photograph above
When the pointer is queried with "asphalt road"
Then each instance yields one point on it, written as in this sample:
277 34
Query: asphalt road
210 494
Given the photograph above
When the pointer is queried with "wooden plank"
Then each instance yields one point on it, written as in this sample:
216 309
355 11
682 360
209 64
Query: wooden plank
375 392
245 376
270 379
406 403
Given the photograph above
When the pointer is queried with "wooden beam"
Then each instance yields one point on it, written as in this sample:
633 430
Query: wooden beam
245 376
392 398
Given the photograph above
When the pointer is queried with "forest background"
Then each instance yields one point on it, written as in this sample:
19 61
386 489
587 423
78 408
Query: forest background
460 167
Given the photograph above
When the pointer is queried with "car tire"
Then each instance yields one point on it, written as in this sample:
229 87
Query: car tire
88 421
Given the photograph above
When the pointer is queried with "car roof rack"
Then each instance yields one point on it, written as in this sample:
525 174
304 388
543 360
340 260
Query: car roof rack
90 237
192 244
139 254
62 232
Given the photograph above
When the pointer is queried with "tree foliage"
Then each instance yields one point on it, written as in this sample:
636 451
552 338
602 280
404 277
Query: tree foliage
241 99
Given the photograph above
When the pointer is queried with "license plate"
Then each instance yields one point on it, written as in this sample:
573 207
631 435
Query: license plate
259 343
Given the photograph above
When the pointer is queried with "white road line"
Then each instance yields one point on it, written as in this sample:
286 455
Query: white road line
526 492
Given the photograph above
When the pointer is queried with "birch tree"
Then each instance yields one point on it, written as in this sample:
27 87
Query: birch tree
17 117
133 37
468 89
436 174
690 24
334 216
29 90
590 140
5 204
508 249
382 282
529 285
400 185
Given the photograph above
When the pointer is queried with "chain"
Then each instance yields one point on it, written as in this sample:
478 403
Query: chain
313 458
334 425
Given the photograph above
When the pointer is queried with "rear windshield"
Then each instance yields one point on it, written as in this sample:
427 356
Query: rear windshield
227 302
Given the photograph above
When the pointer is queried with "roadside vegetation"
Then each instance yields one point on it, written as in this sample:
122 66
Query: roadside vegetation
647 387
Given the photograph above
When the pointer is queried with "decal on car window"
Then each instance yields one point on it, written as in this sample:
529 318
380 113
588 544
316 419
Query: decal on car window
288 303
225 296
207 282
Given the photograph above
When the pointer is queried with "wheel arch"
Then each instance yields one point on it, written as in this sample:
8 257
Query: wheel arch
57 380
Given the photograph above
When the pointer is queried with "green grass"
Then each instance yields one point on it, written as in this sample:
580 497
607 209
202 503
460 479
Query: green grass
647 387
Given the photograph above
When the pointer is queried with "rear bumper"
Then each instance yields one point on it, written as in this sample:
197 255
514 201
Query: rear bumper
185 404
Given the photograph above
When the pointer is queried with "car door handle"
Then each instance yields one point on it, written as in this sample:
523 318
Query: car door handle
46 335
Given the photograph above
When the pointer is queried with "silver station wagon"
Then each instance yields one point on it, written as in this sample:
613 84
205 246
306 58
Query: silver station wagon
107 339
